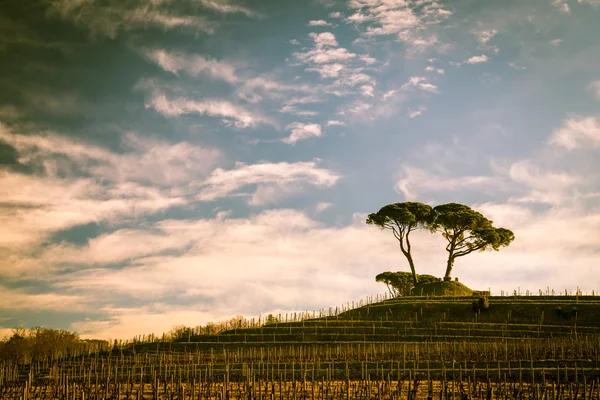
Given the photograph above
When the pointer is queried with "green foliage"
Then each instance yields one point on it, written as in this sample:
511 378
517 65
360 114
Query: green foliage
401 219
424 279
466 230
401 283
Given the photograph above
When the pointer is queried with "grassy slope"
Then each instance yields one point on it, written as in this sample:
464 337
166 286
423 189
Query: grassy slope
422 319
451 288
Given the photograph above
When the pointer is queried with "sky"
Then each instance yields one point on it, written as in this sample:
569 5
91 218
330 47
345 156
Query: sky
172 163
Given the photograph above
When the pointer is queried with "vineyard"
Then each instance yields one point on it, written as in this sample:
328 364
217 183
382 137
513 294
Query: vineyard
522 347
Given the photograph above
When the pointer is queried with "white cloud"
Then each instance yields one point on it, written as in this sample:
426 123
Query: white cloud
367 90
147 177
224 183
486 35
248 87
323 55
417 112
336 14
305 100
302 131
368 59
562 5
548 184
335 123
294 41
516 66
577 132
323 39
113 17
359 107
556 42
193 65
420 82
237 115
146 160
328 70
438 70
384 17
477 59
388 94
594 87
355 79
319 22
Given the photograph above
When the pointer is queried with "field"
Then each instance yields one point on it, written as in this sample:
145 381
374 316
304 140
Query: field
525 347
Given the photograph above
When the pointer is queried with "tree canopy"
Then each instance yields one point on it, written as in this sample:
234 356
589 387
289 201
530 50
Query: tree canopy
401 219
466 231
401 283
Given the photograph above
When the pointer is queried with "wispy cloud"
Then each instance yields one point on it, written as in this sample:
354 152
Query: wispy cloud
414 182
577 132
193 65
301 131
322 206
82 183
231 113
223 183
418 112
114 17
290 109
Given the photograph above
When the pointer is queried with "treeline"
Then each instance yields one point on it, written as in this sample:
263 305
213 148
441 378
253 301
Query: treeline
42 344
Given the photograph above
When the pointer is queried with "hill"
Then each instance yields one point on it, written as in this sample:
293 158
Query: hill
520 347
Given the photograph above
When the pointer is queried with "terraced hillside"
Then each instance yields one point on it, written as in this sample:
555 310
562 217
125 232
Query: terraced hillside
519 347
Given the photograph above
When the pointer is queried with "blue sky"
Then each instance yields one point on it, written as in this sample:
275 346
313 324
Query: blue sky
167 163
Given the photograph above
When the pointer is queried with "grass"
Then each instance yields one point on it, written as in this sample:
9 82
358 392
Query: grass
450 289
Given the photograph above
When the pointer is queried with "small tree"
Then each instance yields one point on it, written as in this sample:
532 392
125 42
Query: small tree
466 231
402 219
401 283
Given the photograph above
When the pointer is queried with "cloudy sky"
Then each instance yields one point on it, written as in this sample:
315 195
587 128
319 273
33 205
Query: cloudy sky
177 162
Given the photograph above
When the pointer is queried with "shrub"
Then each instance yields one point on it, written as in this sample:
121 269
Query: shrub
483 303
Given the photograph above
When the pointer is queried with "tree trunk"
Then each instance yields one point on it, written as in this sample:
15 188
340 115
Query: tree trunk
412 269
449 265
406 252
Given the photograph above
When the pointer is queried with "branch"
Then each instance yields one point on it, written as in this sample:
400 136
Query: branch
470 250
463 239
